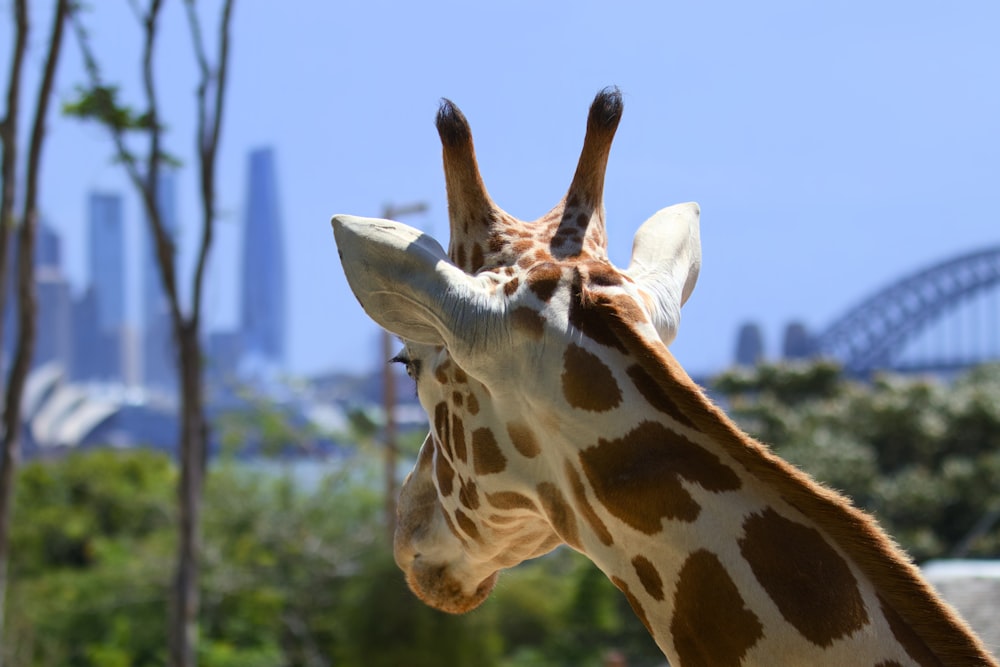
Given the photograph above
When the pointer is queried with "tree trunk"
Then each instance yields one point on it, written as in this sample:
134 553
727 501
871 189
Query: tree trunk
27 306
192 455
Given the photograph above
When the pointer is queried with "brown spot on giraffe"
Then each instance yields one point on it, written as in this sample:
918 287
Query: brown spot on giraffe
457 399
473 405
592 322
634 603
458 438
528 321
441 372
659 399
544 279
445 475
511 286
648 577
801 572
511 500
454 531
889 663
524 440
587 382
487 457
468 494
637 477
584 508
559 513
459 255
904 634
467 525
441 428
711 624
476 258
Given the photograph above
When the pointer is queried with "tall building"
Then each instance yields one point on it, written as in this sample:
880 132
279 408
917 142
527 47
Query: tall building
749 345
99 314
106 241
262 319
158 350
53 341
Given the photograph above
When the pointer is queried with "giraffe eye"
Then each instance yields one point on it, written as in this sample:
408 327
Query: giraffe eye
412 366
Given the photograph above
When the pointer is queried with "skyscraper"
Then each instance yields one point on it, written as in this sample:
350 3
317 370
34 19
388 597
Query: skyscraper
53 299
262 320
158 355
107 258
99 323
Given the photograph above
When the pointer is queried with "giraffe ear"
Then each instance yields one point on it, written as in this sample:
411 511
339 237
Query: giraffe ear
406 283
666 258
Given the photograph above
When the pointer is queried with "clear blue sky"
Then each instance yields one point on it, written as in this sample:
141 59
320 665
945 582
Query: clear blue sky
832 146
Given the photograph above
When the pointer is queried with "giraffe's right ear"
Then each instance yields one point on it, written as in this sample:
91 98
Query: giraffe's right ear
666 258
406 283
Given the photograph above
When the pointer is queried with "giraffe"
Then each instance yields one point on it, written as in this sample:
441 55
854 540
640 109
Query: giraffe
559 416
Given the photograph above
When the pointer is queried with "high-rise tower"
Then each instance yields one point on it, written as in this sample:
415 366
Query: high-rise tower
262 319
99 316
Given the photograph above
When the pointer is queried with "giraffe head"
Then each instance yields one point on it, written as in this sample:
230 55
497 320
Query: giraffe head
514 359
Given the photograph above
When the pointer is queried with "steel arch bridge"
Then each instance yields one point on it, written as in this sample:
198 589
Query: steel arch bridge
872 334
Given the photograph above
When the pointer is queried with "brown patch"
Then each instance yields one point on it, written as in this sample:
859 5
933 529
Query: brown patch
638 477
808 580
592 322
907 638
647 386
457 399
441 372
711 623
458 438
459 255
583 506
468 494
454 530
467 525
445 475
587 382
523 246
888 663
511 286
486 455
529 321
473 406
559 513
604 275
441 428
634 603
475 258
544 279
648 577
523 439
511 500
460 376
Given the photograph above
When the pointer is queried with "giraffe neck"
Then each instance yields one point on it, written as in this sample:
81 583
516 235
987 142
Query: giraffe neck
729 554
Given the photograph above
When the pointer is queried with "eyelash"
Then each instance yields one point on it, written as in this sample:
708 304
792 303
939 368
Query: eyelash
412 366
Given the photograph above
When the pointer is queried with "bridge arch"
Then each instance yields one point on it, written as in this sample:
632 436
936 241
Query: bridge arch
874 332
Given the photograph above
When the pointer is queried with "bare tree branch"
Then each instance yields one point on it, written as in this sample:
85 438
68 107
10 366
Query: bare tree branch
27 306
8 138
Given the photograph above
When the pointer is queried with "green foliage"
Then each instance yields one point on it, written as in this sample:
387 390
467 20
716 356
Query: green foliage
294 572
923 455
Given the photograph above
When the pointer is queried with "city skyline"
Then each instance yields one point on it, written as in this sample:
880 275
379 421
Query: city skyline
831 148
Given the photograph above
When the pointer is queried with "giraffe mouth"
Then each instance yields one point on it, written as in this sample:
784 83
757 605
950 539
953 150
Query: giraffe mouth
439 588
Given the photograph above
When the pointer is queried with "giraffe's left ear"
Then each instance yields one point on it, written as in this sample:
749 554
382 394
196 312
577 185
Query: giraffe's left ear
405 282
666 258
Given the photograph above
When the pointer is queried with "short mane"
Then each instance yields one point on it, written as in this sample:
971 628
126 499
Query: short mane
938 629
